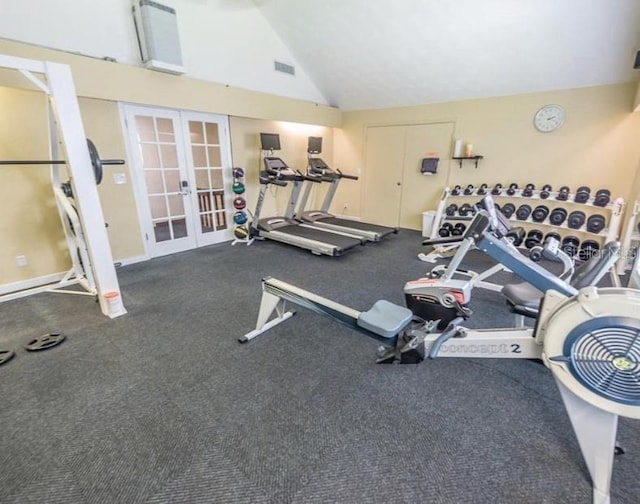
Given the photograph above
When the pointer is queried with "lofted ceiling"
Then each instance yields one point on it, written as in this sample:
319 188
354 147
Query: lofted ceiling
388 53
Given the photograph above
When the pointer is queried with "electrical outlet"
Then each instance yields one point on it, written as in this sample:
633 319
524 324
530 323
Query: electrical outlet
21 260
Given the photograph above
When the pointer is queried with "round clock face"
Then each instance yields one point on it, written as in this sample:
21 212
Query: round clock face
549 118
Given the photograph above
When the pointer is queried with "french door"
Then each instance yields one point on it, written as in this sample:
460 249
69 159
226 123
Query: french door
180 162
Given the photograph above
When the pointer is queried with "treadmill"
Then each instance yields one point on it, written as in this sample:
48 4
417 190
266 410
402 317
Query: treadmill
286 229
322 219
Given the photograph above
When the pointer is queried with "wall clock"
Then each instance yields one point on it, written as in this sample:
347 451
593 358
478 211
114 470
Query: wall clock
549 118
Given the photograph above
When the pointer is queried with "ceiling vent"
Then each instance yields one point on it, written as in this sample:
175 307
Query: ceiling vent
157 30
284 68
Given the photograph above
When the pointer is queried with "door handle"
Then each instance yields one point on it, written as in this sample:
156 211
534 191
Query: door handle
184 188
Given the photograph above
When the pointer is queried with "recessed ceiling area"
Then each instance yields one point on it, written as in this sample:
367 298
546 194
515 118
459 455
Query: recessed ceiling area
390 53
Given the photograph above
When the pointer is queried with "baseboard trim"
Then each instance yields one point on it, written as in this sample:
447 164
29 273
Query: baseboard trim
30 283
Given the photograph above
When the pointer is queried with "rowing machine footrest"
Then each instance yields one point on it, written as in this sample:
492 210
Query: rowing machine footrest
385 319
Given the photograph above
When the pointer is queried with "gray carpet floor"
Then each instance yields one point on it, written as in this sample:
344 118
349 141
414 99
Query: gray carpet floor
164 405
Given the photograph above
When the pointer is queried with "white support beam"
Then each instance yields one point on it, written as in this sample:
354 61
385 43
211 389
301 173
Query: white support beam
67 111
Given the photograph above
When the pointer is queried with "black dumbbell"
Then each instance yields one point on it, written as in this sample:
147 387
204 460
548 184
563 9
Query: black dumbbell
508 210
528 190
512 189
465 210
557 216
602 197
482 190
469 190
534 238
576 219
456 191
523 212
539 213
563 193
545 192
445 230
516 235
587 249
451 209
497 190
596 223
582 194
570 245
458 229
552 235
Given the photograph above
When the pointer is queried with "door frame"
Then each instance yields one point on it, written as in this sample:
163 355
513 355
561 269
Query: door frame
203 239
128 109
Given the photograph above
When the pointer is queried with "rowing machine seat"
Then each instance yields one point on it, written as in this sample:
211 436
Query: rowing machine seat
385 319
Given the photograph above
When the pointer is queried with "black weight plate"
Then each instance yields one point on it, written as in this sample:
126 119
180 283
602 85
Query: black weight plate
557 216
523 212
508 209
6 356
596 223
576 219
539 213
44 342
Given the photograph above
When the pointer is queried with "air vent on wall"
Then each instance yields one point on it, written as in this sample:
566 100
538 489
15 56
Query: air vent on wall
158 38
284 68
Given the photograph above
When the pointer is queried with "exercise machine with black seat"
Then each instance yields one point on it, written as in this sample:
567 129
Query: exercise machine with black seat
588 338
286 229
320 170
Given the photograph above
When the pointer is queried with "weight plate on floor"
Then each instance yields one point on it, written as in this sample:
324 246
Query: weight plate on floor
6 356
45 342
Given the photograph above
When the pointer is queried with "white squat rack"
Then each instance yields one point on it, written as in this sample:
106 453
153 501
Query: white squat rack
85 233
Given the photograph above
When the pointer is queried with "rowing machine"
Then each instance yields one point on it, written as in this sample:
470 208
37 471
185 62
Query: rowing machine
589 339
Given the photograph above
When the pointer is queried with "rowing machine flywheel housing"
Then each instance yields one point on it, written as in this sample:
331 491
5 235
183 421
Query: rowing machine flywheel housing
435 299
591 343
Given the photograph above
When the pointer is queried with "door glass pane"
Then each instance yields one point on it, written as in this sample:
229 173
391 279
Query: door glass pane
158 206
146 129
206 221
212 133
179 228
169 155
165 130
202 179
172 180
196 134
221 220
162 231
154 181
150 157
214 156
216 179
199 156
176 204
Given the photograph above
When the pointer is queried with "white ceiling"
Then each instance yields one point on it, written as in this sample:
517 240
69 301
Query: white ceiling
387 53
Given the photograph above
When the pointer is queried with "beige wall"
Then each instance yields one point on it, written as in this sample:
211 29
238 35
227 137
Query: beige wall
597 146
29 221
245 146
30 224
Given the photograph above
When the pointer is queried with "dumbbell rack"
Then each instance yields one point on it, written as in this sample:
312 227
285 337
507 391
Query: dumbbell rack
612 212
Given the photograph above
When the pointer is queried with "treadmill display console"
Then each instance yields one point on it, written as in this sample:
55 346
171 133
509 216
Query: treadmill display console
275 163
318 164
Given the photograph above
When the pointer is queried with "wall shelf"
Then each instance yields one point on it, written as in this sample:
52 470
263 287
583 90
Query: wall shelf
472 158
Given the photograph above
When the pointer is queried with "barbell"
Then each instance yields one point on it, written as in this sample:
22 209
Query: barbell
96 162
